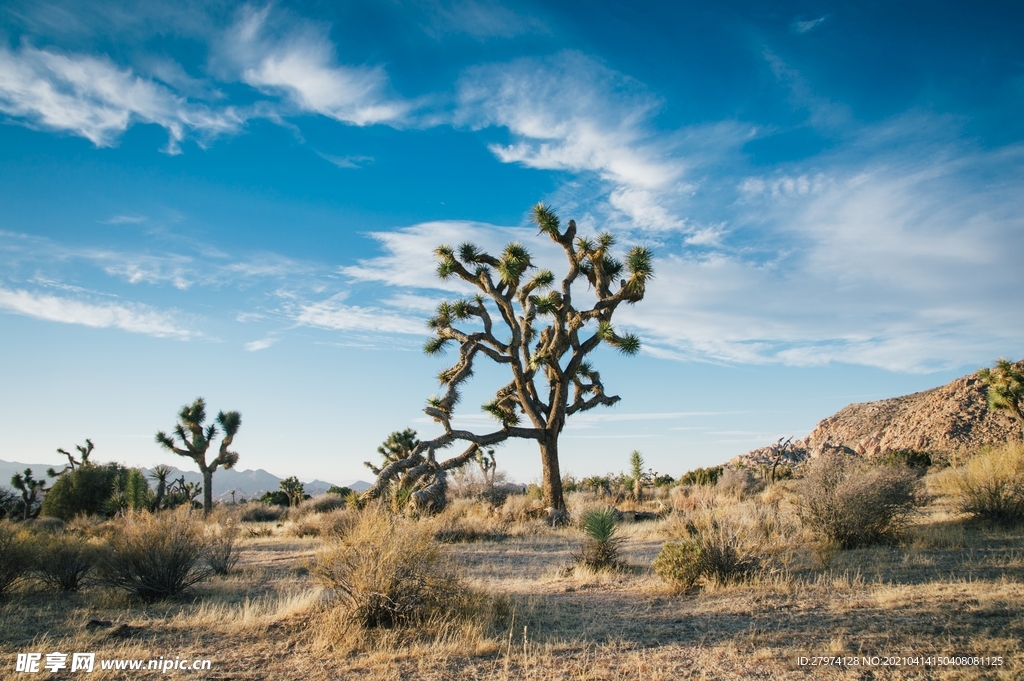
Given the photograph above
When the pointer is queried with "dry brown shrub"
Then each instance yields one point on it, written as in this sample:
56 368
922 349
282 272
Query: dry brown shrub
63 560
388 571
325 503
989 486
466 520
15 557
221 551
847 504
155 556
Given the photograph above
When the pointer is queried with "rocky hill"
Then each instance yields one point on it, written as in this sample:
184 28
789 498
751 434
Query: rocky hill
951 418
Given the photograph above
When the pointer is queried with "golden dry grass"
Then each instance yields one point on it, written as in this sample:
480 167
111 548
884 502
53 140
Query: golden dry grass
947 588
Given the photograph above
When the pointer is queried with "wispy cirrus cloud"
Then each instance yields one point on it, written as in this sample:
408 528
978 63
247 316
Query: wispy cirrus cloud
92 97
477 18
135 318
334 314
297 60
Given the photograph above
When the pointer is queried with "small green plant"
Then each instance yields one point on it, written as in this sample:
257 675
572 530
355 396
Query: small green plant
680 563
602 547
155 556
907 458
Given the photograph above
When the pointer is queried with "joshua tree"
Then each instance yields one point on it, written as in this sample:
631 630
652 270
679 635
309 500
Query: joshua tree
542 337
636 466
159 476
294 489
30 489
197 439
1005 387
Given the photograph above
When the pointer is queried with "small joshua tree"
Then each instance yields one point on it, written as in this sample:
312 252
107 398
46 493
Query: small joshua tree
540 334
159 475
294 489
73 463
30 489
636 466
1005 387
197 438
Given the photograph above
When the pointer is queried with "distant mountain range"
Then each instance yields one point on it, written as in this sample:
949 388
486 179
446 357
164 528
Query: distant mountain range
247 483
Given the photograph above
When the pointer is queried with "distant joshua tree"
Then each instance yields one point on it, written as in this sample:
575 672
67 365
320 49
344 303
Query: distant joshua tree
1005 387
294 489
72 461
197 439
543 338
636 466
30 489
159 475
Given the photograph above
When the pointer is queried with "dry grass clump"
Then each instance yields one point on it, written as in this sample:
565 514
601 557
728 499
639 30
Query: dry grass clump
989 486
63 560
325 503
221 550
719 546
846 504
15 558
155 556
256 512
388 571
329 525
465 520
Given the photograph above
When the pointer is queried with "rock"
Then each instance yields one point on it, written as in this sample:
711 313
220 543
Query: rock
951 418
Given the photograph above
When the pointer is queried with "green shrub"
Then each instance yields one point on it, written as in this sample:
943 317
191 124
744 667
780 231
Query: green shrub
63 560
990 486
15 559
848 504
702 476
907 458
602 546
679 563
85 490
388 571
155 556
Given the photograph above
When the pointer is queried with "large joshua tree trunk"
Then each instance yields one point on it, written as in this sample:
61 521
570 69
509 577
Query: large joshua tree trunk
552 483
207 490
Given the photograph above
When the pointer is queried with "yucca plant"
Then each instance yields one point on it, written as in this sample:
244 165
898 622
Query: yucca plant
601 550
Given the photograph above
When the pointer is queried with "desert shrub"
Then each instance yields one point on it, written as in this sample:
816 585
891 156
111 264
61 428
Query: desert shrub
602 547
990 486
907 458
466 520
738 482
275 498
679 563
388 571
15 558
221 551
847 504
260 513
155 556
85 490
327 525
325 503
63 560
702 476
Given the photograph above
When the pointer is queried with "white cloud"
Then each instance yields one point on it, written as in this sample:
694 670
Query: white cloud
334 314
94 98
133 318
908 264
572 113
349 162
301 64
808 26
262 344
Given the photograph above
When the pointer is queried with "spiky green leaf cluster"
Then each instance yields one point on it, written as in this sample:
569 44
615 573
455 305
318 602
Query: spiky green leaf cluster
546 220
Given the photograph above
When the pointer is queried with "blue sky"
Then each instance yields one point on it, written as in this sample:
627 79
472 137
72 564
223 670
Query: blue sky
240 202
